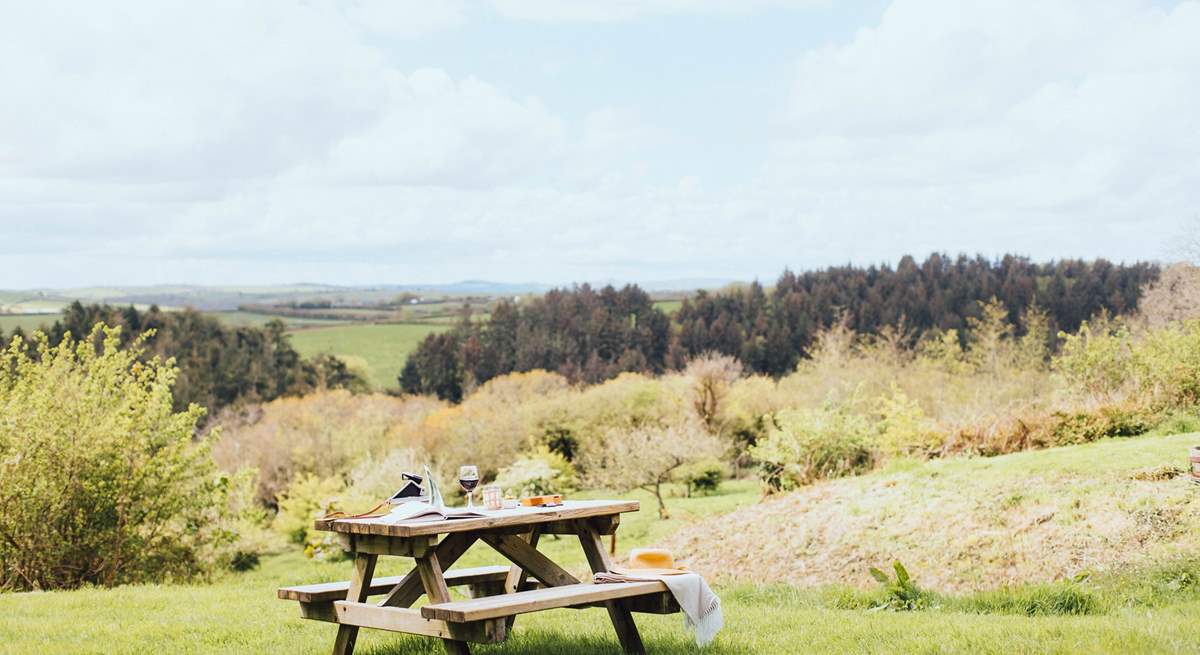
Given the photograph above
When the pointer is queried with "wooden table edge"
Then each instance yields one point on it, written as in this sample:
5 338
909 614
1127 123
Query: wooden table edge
448 526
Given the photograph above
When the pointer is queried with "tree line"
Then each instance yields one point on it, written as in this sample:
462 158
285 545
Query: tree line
219 364
590 335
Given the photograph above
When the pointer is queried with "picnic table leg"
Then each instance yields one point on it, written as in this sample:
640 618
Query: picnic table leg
434 582
360 583
622 618
517 575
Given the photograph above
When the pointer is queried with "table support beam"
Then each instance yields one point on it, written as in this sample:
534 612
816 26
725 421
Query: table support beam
432 579
410 588
622 618
520 552
360 584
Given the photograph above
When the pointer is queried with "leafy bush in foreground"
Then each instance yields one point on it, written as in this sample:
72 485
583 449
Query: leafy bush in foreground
810 444
100 479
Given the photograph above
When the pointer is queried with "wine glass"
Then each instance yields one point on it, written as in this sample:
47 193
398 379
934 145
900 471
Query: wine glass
468 477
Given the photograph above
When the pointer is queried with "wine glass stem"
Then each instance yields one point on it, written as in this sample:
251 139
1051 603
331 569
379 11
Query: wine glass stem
470 499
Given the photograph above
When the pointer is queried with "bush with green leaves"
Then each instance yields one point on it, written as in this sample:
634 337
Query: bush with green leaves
903 427
101 480
702 478
540 472
810 444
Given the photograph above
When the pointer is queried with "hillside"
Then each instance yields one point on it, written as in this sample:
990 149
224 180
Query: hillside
962 524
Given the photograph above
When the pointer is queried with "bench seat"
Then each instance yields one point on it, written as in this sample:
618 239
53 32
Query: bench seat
571 595
327 592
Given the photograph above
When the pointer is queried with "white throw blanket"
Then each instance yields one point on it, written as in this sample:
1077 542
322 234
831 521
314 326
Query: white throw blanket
701 607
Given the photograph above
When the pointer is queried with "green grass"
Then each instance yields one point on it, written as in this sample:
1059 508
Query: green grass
27 322
255 319
378 349
238 613
1148 610
668 306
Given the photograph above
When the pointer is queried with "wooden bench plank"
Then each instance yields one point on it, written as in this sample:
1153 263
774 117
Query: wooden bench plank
490 607
401 619
330 591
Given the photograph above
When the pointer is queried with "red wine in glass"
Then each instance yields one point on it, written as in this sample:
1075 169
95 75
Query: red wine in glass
468 478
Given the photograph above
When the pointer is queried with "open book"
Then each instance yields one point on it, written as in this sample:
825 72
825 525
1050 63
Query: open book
422 511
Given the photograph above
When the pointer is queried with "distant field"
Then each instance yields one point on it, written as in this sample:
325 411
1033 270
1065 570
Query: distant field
27 322
668 306
378 348
255 319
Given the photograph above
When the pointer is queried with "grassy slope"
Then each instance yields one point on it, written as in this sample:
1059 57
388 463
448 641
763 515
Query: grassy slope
971 523
239 613
380 349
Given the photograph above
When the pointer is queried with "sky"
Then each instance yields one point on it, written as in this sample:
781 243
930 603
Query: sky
556 141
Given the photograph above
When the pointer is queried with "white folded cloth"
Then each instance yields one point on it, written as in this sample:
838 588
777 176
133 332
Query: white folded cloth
701 607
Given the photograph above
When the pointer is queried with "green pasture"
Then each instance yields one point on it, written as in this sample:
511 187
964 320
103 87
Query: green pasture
1155 610
377 349
668 306
255 319
238 613
27 322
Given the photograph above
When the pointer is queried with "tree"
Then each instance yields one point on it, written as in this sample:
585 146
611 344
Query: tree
101 480
991 333
710 375
1174 297
219 365
646 457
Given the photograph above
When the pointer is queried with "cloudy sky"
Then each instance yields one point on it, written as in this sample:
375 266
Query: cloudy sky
412 141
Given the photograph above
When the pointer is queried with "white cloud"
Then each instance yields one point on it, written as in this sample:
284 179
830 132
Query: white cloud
281 141
1046 128
611 11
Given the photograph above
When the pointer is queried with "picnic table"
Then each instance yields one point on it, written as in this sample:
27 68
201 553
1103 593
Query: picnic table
531 581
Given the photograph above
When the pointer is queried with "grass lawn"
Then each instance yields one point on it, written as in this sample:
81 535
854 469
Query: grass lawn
239 613
255 319
377 349
27 322
668 306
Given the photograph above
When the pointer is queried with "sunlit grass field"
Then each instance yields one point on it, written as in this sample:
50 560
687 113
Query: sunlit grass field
238 613
255 319
377 349
27 322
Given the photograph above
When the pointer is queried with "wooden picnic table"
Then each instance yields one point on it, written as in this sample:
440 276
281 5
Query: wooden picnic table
498 593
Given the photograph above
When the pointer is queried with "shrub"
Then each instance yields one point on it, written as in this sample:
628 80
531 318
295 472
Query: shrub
324 434
903 428
101 481
1168 364
491 427
307 499
647 457
702 478
710 374
1078 427
808 444
1098 359
541 472
380 477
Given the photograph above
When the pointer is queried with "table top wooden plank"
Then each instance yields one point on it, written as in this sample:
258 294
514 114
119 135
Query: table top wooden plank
525 516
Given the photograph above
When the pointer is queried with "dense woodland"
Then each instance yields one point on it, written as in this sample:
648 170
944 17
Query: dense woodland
590 335
218 364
